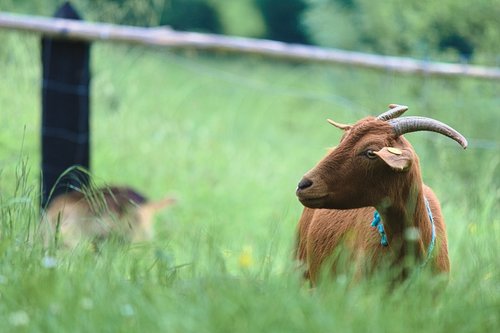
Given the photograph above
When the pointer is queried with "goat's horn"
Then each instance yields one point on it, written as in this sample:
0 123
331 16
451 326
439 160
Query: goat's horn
394 112
414 124
339 125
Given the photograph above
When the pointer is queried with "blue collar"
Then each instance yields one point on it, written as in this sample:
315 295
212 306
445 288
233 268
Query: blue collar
377 222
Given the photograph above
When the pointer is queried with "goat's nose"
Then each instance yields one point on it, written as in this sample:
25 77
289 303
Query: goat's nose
304 183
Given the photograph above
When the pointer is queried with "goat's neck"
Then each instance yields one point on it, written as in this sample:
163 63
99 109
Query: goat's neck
406 221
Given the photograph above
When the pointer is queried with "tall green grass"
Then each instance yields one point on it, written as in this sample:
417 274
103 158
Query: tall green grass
231 137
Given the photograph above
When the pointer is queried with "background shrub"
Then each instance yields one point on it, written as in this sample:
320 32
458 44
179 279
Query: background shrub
195 15
283 20
446 29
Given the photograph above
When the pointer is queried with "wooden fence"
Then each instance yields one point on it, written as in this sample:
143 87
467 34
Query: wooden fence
163 36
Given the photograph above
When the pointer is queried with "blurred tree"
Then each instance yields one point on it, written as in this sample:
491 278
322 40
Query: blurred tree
422 28
231 14
283 20
197 15
193 15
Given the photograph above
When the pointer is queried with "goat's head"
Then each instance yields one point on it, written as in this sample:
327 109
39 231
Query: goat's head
371 159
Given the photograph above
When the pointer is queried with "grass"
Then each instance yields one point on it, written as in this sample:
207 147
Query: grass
231 137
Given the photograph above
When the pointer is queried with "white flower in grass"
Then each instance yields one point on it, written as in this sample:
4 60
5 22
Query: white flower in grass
55 308
19 318
127 310
87 303
342 279
412 234
49 262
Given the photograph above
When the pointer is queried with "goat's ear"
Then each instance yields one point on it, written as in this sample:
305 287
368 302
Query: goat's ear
398 159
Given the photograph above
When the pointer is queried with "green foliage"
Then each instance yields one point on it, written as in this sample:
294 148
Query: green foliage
193 15
252 18
282 20
442 29
231 13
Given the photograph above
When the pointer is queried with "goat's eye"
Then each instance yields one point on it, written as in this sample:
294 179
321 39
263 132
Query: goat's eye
370 154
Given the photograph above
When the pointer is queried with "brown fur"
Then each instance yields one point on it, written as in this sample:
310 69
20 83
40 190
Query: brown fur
345 188
99 214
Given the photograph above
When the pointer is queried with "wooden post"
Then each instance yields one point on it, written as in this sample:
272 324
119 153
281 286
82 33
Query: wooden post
65 112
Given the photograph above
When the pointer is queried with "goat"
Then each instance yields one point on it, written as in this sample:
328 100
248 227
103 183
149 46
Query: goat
99 214
373 174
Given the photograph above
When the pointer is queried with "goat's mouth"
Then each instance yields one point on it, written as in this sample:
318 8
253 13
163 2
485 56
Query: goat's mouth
313 202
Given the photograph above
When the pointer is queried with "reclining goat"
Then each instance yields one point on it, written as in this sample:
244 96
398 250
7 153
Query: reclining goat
99 214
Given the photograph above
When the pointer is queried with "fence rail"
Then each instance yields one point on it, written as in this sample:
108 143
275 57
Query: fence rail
166 37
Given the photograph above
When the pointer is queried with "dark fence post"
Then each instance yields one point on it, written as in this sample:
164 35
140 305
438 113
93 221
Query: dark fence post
65 112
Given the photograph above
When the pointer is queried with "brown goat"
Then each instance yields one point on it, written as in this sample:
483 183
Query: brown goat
373 168
99 214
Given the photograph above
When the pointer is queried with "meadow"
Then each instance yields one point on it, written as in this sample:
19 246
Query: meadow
230 137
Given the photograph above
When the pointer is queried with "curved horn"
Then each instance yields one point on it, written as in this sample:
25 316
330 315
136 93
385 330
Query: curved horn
339 125
414 124
394 112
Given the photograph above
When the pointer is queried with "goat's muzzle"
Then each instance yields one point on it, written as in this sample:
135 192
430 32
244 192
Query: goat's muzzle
304 183
310 194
